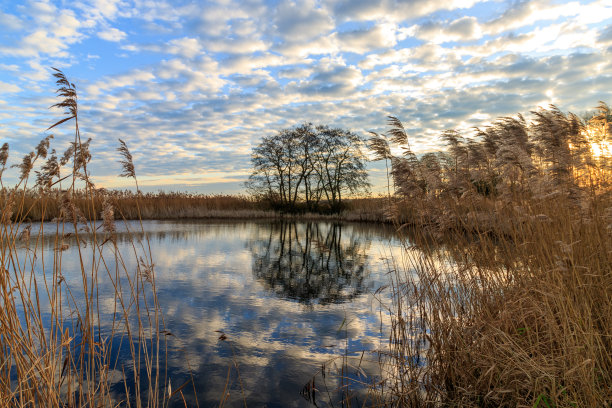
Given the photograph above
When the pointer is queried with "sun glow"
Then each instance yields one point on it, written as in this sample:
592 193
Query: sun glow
601 149
599 141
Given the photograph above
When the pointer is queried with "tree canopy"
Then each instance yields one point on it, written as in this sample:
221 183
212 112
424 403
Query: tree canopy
311 167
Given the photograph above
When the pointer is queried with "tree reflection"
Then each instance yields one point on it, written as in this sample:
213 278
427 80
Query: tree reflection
310 262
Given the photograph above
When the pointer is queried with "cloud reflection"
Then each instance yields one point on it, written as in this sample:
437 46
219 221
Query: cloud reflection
287 296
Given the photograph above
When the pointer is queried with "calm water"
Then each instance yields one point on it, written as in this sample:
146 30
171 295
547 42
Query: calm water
290 297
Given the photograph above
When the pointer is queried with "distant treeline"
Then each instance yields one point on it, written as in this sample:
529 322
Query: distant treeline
36 205
515 312
310 169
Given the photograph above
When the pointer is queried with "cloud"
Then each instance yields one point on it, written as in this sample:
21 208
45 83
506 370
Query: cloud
236 45
394 10
332 81
185 47
104 9
605 36
462 29
528 12
112 34
361 41
301 20
10 22
295 73
9 88
51 32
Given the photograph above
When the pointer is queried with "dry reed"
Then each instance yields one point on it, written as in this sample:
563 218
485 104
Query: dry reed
55 347
506 302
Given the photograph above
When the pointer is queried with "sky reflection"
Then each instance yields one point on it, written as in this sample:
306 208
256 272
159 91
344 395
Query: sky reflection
288 296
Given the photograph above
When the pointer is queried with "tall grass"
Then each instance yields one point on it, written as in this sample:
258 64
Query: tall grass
503 299
507 301
161 205
56 347
181 205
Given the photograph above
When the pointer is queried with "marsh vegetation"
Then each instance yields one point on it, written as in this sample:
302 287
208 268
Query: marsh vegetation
60 338
517 311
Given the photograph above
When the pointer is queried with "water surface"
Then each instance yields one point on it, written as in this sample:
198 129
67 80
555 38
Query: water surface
288 297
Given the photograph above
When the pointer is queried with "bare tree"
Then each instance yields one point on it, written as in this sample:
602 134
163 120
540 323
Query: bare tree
305 166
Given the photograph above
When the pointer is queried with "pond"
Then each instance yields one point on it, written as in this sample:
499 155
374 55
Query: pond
256 309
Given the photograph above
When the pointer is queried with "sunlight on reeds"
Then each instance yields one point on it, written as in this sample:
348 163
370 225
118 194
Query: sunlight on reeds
501 297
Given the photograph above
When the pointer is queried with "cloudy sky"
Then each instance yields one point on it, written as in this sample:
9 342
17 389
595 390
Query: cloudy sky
191 86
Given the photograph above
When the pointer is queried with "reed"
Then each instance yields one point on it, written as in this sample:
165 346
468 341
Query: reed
503 298
180 205
56 348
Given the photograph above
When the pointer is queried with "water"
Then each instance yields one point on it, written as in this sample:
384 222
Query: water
288 298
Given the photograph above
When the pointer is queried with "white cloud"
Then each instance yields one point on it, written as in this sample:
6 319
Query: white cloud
9 88
53 31
380 36
10 22
295 73
186 47
529 12
462 29
9 67
301 20
394 10
236 45
107 9
112 34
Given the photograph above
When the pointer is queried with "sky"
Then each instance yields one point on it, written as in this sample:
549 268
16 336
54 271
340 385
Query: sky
192 86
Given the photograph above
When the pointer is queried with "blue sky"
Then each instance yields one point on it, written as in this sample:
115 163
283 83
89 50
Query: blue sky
191 86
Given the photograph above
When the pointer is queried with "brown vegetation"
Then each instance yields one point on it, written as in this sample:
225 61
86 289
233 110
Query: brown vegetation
516 309
504 298
127 203
163 205
504 167
55 348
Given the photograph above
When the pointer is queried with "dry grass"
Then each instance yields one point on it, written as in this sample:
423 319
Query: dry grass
504 298
164 205
518 321
55 347
127 204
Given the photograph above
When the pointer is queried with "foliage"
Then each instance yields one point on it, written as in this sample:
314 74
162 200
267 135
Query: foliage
510 161
55 348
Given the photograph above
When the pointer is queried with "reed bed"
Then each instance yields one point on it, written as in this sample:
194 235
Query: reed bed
135 205
504 298
175 205
56 347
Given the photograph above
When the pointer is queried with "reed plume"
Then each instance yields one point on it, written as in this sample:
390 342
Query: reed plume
127 162
55 347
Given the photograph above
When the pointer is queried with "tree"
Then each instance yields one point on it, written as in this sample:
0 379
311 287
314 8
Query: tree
305 166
